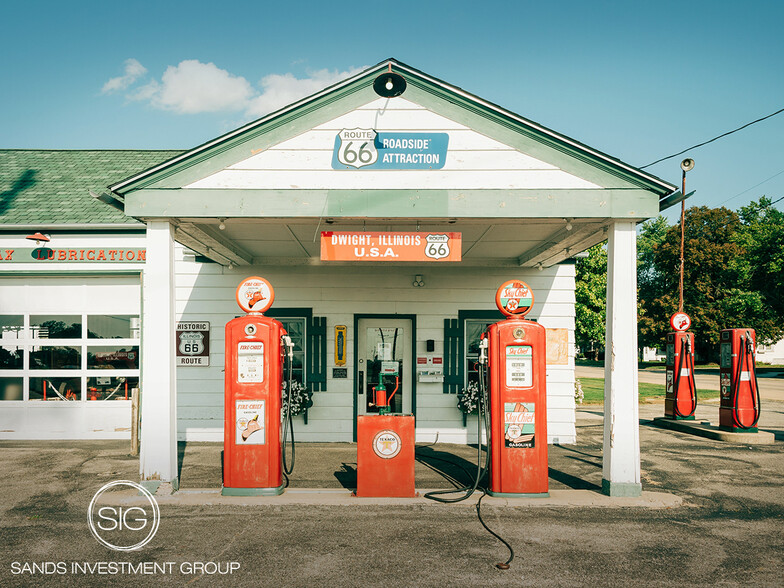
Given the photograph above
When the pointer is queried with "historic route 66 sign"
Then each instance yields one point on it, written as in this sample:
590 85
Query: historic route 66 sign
193 343
357 147
437 246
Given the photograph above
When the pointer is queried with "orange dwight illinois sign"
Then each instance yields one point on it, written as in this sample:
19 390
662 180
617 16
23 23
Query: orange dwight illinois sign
378 246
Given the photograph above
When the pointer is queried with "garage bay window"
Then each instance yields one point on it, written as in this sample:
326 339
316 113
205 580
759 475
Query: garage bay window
68 357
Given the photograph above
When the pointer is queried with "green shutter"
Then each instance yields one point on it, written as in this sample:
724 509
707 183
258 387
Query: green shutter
453 356
317 354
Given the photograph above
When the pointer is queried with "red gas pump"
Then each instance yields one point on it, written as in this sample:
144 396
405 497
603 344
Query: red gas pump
518 397
255 344
740 398
681 392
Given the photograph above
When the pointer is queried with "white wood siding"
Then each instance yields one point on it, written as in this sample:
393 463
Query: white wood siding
205 292
473 160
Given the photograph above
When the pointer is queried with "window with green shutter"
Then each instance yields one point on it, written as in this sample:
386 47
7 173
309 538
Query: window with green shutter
309 335
461 346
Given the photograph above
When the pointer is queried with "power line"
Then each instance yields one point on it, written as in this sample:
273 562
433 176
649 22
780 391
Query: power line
755 186
714 139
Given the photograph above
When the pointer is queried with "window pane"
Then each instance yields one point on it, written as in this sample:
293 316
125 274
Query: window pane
55 388
56 326
121 326
11 326
296 330
117 358
110 387
55 358
297 376
474 330
11 357
11 389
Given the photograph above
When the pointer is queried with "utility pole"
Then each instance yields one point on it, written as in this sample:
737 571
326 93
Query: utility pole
686 165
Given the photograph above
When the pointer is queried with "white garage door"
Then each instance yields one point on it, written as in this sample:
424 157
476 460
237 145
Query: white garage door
69 356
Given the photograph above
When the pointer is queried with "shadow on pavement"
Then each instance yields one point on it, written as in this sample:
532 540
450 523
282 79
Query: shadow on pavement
347 476
454 469
572 481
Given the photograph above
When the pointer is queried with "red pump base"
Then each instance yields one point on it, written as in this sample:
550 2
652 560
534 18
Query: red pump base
385 456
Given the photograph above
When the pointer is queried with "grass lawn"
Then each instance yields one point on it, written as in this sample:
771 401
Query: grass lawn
593 388
659 365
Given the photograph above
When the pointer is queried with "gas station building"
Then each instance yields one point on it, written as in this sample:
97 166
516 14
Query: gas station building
166 236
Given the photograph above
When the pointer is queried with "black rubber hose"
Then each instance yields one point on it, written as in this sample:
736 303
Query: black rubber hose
745 355
288 423
758 406
467 491
483 415
685 351
501 566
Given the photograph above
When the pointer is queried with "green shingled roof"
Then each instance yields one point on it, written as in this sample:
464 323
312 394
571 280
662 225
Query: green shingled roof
40 186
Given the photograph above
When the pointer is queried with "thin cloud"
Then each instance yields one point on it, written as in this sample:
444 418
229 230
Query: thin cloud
278 90
133 71
192 87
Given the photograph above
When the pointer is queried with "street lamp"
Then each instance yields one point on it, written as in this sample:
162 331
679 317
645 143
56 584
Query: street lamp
686 165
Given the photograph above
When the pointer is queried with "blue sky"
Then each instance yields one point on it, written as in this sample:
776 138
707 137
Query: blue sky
638 80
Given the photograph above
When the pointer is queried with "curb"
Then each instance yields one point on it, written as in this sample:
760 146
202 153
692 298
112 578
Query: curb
709 431
342 497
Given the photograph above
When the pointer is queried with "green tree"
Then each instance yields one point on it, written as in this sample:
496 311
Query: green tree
761 236
718 289
590 297
650 282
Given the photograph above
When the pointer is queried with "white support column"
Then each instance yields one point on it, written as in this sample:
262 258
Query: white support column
621 457
158 453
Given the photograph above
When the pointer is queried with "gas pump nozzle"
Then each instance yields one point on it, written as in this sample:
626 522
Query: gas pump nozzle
290 345
483 349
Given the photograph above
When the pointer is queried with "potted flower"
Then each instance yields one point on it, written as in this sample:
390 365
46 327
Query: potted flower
468 400
301 400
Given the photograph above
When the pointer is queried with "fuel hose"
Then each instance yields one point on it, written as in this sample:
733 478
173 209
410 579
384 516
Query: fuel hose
288 422
466 491
746 355
686 351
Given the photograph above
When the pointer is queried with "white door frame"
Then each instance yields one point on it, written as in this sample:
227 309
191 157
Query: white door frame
405 321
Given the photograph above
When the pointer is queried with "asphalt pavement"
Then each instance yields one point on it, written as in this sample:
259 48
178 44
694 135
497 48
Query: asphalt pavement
726 531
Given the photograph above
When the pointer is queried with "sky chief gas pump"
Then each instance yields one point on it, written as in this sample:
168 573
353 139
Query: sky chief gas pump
518 397
256 346
740 398
514 413
681 392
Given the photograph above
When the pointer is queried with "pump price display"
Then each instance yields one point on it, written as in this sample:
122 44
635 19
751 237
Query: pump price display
250 362
519 366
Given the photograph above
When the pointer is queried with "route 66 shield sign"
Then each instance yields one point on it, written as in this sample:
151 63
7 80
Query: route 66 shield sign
437 246
191 343
357 147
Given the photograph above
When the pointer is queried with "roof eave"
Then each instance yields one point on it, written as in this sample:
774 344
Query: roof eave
659 186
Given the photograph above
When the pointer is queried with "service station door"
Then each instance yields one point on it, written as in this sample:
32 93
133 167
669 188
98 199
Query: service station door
384 345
